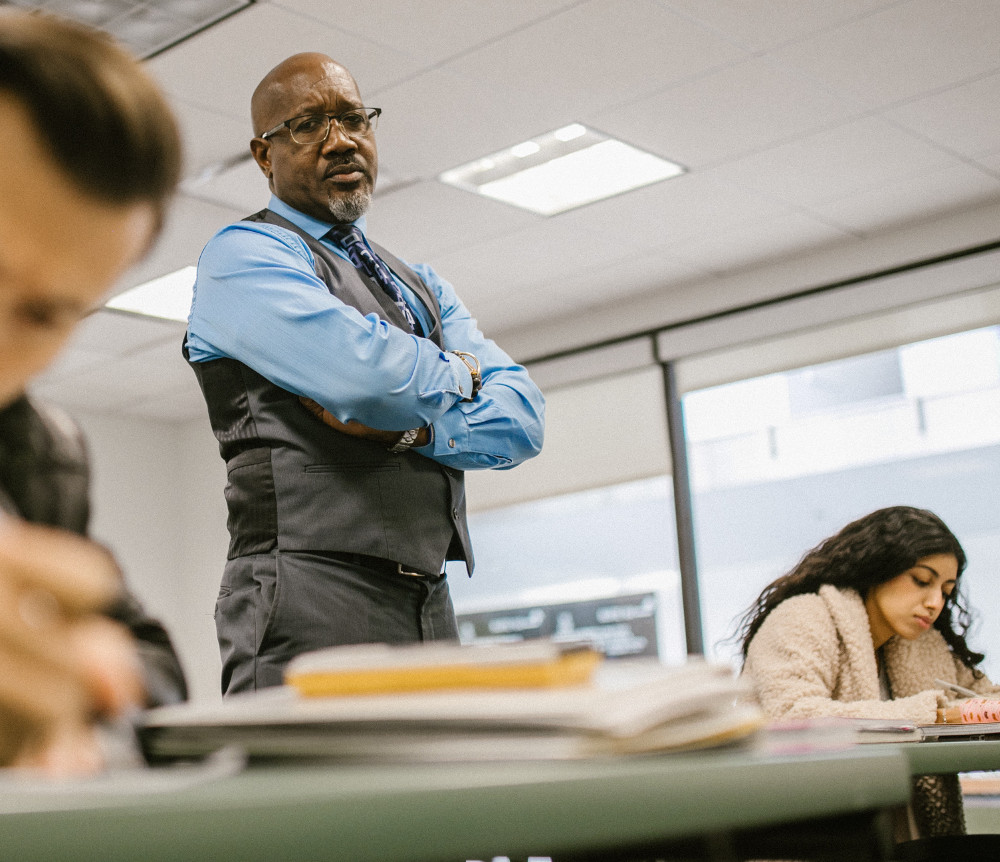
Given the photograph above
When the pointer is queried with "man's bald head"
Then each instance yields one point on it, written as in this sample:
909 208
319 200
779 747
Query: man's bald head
280 88
332 179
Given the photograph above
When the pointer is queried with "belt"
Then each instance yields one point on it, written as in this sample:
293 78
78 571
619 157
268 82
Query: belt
380 564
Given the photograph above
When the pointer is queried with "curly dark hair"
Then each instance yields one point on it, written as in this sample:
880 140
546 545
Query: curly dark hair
868 552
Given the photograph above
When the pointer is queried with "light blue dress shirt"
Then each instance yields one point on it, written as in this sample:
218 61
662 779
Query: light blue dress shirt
257 300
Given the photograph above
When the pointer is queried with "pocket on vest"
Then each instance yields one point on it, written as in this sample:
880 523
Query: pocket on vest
253 513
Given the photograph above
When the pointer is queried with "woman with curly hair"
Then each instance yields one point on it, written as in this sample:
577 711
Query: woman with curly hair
863 627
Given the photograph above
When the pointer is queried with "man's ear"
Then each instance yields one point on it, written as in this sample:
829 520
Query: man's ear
261 151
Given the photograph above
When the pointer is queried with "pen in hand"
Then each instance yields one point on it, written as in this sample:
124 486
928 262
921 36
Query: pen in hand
958 689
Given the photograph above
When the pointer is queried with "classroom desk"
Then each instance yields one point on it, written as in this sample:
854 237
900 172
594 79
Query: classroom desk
717 803
928 758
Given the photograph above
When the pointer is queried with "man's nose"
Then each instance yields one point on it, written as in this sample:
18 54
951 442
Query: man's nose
337 140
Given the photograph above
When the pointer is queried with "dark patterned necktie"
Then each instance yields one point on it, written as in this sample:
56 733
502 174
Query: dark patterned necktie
371 264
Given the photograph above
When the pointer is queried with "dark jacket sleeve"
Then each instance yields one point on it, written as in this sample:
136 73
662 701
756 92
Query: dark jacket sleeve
44 477
160 666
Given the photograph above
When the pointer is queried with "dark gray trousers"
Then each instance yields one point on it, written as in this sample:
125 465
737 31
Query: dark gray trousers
272 607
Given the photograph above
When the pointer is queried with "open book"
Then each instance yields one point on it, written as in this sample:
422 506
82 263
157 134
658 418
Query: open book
976 718
833 732
627 707
975 710
900 731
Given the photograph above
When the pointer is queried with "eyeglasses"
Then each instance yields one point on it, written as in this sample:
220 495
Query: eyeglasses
314 128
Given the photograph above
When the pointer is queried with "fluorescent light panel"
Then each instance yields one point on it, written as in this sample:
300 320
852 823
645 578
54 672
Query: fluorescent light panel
560 170
167 297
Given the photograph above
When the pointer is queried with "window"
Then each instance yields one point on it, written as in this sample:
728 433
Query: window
782 461
598 565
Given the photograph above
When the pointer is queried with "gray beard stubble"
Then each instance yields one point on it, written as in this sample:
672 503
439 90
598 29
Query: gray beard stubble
351 207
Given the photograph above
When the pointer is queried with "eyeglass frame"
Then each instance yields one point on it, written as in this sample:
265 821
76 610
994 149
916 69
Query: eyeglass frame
371 114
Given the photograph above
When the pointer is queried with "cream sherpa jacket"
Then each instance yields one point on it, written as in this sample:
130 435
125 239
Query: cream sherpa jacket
814 656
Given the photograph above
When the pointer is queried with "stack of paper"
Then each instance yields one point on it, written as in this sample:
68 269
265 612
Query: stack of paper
624 708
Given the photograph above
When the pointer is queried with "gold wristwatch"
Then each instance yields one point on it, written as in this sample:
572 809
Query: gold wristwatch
472 363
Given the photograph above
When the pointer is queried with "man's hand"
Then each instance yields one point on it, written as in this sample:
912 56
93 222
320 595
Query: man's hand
356 429
63 665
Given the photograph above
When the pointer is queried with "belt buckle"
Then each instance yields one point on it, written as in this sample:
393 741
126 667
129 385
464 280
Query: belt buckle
402 571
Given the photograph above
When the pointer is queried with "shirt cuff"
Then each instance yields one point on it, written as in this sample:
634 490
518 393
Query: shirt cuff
428 447
449 436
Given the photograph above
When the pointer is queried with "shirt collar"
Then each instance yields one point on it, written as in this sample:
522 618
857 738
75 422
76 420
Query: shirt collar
314 227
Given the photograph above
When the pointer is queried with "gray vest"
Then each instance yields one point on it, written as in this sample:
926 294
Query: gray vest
295 484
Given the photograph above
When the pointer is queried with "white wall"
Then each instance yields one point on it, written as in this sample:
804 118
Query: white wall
158 504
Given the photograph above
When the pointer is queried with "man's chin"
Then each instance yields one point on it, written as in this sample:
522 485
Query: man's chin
350 207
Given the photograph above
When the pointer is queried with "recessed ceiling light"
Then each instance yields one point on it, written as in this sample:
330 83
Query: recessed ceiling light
167 297
569 167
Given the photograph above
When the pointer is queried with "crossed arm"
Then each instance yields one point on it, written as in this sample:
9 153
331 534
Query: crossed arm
259 301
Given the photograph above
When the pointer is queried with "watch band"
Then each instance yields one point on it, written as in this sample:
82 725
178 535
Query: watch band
472 363
405 441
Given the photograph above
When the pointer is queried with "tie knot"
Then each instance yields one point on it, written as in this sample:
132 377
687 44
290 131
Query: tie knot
346 234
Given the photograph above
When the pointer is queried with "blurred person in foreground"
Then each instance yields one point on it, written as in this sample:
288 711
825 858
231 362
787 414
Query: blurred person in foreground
91 155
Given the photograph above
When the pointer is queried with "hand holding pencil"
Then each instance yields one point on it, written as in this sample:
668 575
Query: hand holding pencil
63 664
976 710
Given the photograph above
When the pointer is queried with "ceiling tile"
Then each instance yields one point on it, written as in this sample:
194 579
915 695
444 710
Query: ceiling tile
903 51
453 123
210 137
991 162
671 212
523 261
764 25
732 111
634 275
114 335
431 219
848 159
477 103
442 28
255 41
592 56
241 188
888 205
757 242
190 224
495 312
963 118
